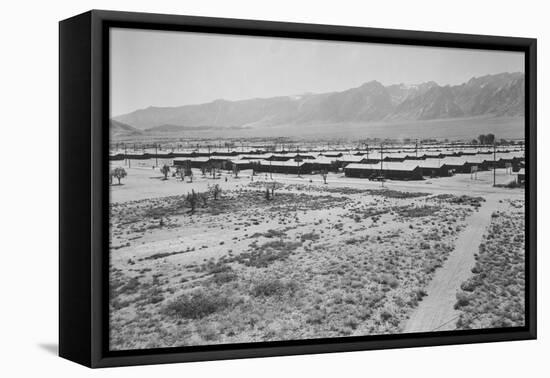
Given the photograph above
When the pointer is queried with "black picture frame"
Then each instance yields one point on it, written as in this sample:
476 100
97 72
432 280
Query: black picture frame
83 195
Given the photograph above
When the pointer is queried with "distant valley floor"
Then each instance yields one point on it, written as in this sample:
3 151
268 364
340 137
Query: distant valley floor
452 129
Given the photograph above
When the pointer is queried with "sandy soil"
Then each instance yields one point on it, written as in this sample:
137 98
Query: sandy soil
342 259
492 297
436 312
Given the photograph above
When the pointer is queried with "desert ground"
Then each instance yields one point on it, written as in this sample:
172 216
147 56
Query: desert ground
350 257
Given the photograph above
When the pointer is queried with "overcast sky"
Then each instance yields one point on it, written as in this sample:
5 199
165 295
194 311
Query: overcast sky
159 68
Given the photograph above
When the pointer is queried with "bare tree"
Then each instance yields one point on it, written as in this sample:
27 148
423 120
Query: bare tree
204 199
324 173
192 200
180 172
210 168
187 171
236 170
118 173
216 191
267 193
215 169
165 170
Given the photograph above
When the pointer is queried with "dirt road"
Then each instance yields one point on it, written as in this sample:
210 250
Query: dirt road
436 312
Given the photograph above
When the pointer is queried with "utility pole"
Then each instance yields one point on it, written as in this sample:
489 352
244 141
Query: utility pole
125 152
156 155
381 158
416 149
494 164
382 164
298 161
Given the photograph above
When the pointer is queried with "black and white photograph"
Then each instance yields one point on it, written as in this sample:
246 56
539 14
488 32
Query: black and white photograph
273 189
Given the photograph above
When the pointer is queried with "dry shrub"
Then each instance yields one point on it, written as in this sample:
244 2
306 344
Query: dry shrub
273 287
224 277
197 305
268 253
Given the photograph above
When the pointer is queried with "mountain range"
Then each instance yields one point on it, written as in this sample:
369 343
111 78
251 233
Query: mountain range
118 129
491 95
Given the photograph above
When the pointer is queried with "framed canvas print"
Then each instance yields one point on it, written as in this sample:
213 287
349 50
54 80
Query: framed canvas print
234 188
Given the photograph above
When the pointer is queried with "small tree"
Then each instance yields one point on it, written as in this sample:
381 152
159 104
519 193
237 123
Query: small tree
204 199
236 170
185 171
165 170
324 173
215 169
180 173
216 191
487 139
188 171
267 193
192 200
118 173
208 168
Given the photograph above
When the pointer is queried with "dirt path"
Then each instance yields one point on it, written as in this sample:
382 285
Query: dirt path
435 312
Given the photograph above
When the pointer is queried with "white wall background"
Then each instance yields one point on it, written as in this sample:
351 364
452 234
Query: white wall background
29 214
